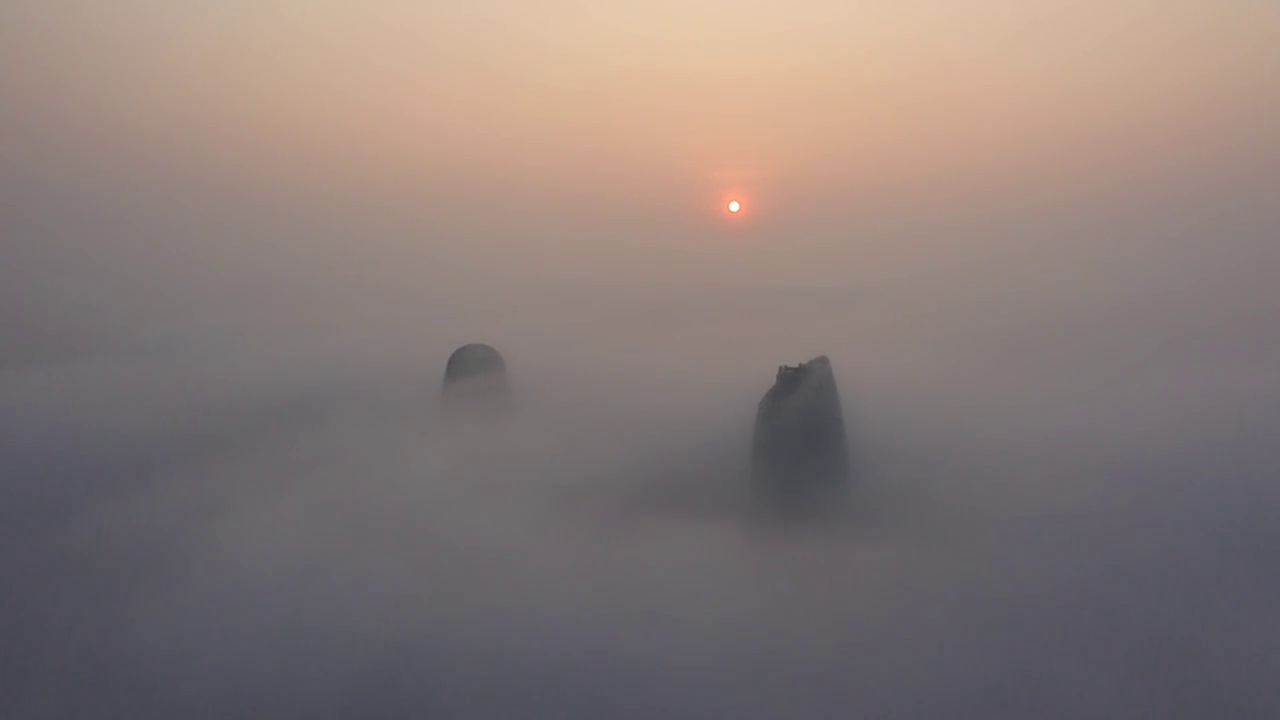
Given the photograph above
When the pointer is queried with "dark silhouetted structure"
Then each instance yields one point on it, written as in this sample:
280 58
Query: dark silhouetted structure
476 377
800 444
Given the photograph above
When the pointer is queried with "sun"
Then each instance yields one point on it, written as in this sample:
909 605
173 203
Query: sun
735 206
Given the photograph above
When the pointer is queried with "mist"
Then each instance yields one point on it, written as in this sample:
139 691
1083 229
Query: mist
1061 506
239 246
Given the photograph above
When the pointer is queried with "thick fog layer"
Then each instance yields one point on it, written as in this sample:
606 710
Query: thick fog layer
1063 505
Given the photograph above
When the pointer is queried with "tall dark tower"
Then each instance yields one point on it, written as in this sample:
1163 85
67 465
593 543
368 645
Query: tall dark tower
475 377
800 445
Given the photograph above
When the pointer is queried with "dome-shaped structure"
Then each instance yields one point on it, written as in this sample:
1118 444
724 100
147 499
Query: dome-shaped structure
474 360
476 376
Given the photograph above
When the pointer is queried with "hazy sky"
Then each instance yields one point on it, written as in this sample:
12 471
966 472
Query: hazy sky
238 240
567 136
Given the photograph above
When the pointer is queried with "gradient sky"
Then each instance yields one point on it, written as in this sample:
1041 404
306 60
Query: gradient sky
536 128
316 166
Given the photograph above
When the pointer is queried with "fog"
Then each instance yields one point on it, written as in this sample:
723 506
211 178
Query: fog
239 246
1062 505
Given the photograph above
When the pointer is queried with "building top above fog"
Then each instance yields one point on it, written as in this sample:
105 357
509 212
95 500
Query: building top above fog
474 360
